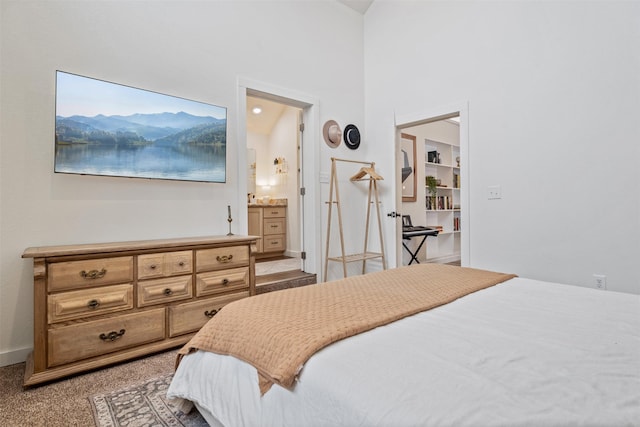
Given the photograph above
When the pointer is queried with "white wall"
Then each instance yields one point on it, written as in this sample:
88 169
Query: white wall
195 50
554 100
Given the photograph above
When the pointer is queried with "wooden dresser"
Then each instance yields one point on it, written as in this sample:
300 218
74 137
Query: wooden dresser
270 224
97 304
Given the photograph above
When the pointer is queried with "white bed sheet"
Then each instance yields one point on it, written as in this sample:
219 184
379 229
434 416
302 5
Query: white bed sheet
521 353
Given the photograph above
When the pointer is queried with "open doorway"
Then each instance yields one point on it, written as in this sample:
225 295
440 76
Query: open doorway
274 130
436 196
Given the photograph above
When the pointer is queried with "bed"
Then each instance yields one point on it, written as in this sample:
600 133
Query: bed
518 352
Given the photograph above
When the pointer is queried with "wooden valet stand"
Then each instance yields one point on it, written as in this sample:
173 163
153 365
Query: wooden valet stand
366 173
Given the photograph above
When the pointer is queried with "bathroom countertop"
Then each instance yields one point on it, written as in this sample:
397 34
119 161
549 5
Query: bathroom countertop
272 202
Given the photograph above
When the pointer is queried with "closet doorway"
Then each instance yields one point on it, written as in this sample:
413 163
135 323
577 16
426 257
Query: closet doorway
434 194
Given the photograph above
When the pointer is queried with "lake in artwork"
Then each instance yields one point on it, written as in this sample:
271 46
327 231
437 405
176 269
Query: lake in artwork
108 129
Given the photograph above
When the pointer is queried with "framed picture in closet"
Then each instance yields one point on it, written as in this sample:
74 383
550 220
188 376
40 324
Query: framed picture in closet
408 160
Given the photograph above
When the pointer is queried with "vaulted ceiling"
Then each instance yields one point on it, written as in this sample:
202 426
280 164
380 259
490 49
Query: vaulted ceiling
360 6
263 123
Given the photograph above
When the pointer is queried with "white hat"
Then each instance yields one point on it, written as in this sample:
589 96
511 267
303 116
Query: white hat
332 133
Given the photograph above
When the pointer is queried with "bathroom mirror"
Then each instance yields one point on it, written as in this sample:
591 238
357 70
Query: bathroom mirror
251 170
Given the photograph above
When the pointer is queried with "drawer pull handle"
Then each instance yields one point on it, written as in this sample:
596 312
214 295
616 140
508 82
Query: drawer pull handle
224 258
167 292
152 266
211 313
94 303
181 263
274 226
225 281
112 336
93 274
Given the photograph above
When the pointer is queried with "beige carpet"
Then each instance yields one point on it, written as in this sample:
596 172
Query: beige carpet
66 402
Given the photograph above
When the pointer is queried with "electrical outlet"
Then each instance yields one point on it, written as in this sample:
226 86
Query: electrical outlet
600 281
494 192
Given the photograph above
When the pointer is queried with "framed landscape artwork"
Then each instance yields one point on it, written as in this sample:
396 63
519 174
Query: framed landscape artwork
104 128
409 179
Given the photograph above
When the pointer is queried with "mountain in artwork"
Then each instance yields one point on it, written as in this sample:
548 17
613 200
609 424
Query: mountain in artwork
138 128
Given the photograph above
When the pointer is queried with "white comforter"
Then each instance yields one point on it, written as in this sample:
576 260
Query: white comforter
522 353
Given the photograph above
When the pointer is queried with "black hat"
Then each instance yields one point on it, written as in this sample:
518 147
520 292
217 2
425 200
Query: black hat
352 137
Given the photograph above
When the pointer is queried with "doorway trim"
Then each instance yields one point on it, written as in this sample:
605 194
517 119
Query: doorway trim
405 120
310 111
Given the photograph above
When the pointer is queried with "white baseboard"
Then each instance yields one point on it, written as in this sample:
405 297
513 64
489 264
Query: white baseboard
16 356
292 254
444 259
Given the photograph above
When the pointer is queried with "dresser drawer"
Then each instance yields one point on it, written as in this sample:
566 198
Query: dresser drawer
191 316
89 302
215 282
274 243
164 264
274 212
217 258
70 343
160 291
81 274
274 226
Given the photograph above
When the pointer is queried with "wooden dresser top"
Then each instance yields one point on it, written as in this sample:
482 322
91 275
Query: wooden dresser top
110 247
